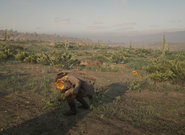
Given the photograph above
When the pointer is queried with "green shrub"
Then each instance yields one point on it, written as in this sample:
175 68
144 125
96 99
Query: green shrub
21 56
6 54
163 69
32 58
119 56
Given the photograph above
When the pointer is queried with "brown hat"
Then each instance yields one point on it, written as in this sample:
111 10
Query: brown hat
60 75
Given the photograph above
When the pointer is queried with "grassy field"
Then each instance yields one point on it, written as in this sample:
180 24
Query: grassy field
138 92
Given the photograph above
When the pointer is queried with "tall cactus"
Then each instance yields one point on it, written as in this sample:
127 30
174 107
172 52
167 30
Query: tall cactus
8 36
5 35
130 45
165 46
66 43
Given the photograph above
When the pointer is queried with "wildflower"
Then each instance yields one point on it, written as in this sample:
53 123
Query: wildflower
136 73
96 70
59 85
102 85
140 76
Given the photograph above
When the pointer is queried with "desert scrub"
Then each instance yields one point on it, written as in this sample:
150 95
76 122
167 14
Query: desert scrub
137 63
119 56
32 58
59 59
21 56
163 69
6 54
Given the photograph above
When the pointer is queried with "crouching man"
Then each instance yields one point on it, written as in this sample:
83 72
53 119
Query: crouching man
75 89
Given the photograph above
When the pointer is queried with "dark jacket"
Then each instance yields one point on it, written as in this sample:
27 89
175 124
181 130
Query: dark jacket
78 85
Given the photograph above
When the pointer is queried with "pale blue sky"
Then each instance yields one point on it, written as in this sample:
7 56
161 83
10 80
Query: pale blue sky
85 18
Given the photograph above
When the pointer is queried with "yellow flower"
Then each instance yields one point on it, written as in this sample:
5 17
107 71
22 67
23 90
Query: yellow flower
133 71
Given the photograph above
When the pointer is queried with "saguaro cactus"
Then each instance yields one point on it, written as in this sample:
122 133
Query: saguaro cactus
130 45
5 35
66 43
165 46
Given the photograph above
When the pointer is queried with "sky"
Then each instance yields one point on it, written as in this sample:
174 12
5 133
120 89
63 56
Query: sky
94 19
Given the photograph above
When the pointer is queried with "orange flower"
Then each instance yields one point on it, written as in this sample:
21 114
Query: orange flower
96 70
57 81
59 85
136 73
102 85
140 76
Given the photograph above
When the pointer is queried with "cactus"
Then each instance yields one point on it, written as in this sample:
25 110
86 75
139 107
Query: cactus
130 45
66 43
165 46
8 36
5 35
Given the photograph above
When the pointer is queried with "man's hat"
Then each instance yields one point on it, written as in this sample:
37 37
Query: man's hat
60 75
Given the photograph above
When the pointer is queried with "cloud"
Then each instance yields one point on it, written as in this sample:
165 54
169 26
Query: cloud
98 23
153 25
173 21
126 28
64 21
95 28
38 28
21 2
126 24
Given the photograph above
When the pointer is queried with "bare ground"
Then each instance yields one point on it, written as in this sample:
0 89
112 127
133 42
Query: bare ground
22 111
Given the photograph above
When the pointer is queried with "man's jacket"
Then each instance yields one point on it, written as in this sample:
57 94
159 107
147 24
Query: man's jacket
78 85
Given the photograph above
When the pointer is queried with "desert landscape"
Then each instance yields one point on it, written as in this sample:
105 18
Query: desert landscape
139 91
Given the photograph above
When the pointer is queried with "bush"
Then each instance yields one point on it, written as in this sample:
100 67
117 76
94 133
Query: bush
32 58
119 56
162 69
6 54
21 56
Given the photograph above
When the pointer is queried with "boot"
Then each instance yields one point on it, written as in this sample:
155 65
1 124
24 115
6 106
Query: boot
83 102
72 110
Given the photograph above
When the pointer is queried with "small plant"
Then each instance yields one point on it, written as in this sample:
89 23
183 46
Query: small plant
97 99
136 84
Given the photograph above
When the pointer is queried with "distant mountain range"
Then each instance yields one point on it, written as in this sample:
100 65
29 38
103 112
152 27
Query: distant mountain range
170 37
174 37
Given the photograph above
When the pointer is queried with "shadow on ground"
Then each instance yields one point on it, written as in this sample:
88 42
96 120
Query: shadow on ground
55 123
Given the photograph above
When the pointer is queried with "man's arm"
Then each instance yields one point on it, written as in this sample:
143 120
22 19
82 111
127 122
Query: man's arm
76 82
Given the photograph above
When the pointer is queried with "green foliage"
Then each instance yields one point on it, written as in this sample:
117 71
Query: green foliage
6 54
119 56
162 69
60 59
98 98
21 56
142 52
137 63
12 48
31 58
